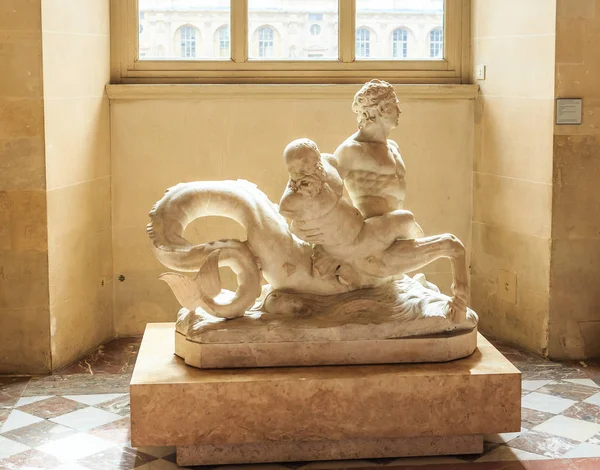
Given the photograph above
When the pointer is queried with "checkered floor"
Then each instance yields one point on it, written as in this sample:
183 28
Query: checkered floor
79 419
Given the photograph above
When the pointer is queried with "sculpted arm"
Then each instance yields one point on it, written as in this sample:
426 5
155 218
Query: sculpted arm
344 156
400 169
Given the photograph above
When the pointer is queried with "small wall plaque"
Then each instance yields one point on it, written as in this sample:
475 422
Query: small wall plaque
569 111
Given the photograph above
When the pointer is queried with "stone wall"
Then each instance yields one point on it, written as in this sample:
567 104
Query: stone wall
512 201
55 229
575 263
76 45
24 314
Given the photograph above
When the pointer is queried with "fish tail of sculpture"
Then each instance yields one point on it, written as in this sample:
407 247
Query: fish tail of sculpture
204 291
169 217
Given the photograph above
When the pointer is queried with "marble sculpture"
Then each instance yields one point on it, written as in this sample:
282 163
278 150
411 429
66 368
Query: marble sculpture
335 267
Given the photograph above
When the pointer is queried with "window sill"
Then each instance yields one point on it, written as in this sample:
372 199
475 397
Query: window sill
181 91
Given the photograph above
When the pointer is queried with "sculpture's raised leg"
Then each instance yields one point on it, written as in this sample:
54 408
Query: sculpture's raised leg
409 255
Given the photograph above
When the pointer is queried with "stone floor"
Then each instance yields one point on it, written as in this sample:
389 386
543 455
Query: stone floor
78 419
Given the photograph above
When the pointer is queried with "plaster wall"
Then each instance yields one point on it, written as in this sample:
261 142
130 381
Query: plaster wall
157 143
512 211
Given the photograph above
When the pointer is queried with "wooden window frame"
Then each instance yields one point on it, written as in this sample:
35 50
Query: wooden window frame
126 67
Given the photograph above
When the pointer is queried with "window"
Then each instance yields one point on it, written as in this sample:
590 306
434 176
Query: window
363 43
400 43
224 43
187 40
266 42
436 43
291 41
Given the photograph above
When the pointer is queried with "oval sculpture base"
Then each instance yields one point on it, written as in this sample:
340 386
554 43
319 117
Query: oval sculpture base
435 348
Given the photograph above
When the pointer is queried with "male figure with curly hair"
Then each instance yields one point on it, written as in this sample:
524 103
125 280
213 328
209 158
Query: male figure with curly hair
368 161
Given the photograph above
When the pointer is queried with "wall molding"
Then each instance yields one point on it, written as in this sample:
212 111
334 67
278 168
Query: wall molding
246 91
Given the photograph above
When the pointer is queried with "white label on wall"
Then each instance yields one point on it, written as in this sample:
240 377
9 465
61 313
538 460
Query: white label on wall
568 110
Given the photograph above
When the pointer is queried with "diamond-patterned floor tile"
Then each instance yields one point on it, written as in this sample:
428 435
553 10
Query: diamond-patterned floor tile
37 434
584 450
570 428
584 411
86 419
547 403
532 385
70 466
118 458
116 431
4 412
93 400
531 418
27 400
543 444
594 399
31 459
119 405
587 382
569 390
9 447
51 407
75 447
11 389
18 419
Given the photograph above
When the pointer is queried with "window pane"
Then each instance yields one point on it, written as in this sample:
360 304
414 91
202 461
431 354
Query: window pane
399 29
184 29
292 29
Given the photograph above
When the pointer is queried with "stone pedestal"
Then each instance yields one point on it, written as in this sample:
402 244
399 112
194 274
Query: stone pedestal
225 416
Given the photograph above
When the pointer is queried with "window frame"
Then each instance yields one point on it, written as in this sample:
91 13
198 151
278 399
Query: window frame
126 67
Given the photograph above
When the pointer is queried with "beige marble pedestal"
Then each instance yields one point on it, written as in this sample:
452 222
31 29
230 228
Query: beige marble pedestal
224 416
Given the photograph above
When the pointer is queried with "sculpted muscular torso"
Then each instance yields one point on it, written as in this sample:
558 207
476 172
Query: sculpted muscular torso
370 163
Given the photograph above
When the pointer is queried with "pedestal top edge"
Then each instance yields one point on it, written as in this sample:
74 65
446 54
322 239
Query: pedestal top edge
157 364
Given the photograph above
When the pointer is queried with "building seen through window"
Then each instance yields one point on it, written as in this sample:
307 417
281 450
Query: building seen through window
400 43
363 43
436 43
265 42
224 42
188 41
291 29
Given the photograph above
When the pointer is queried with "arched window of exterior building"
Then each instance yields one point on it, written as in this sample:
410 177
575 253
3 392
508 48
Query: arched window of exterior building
363 43
400 43
266 41
436 43
224 41
187 41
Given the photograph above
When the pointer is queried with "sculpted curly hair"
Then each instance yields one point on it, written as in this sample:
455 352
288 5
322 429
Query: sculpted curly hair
369 97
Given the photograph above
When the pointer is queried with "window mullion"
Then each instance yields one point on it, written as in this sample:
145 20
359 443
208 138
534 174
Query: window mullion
347 30
239 30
